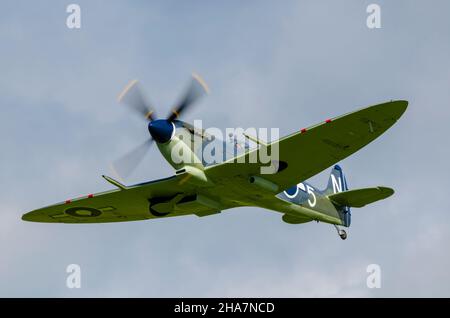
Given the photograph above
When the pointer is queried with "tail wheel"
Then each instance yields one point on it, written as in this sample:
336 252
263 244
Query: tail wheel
342 234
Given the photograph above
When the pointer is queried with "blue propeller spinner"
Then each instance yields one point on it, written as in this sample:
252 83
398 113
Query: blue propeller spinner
161 130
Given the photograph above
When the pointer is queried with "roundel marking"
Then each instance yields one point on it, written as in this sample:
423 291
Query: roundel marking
291 192
83 212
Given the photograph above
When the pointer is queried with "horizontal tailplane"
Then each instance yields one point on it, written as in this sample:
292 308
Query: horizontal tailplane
358 198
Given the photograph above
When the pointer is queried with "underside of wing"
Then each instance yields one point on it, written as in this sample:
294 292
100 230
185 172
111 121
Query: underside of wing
160 198
360 197
311 150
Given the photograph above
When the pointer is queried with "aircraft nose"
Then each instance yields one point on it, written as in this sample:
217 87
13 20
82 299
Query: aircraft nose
161 130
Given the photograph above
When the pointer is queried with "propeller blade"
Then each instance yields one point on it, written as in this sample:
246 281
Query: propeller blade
133 97
125 165
196 90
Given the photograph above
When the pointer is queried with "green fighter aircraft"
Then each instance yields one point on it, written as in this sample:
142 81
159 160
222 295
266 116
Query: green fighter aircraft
204 189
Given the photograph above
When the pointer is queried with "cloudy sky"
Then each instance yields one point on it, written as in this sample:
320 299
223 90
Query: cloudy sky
268 64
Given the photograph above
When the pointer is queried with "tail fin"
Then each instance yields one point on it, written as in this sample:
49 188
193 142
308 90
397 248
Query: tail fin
336 184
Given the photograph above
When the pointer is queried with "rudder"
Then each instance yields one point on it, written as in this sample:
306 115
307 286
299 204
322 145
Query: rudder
337 183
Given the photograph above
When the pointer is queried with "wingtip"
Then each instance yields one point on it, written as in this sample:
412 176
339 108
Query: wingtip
387 191
402 105
394 108
26 217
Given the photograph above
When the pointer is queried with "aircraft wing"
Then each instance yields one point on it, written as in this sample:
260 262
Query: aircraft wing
311 150
128 204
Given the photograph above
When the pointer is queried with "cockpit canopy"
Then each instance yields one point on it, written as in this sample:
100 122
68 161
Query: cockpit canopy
211 146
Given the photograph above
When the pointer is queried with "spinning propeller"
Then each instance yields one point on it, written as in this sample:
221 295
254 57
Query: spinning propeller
161 130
